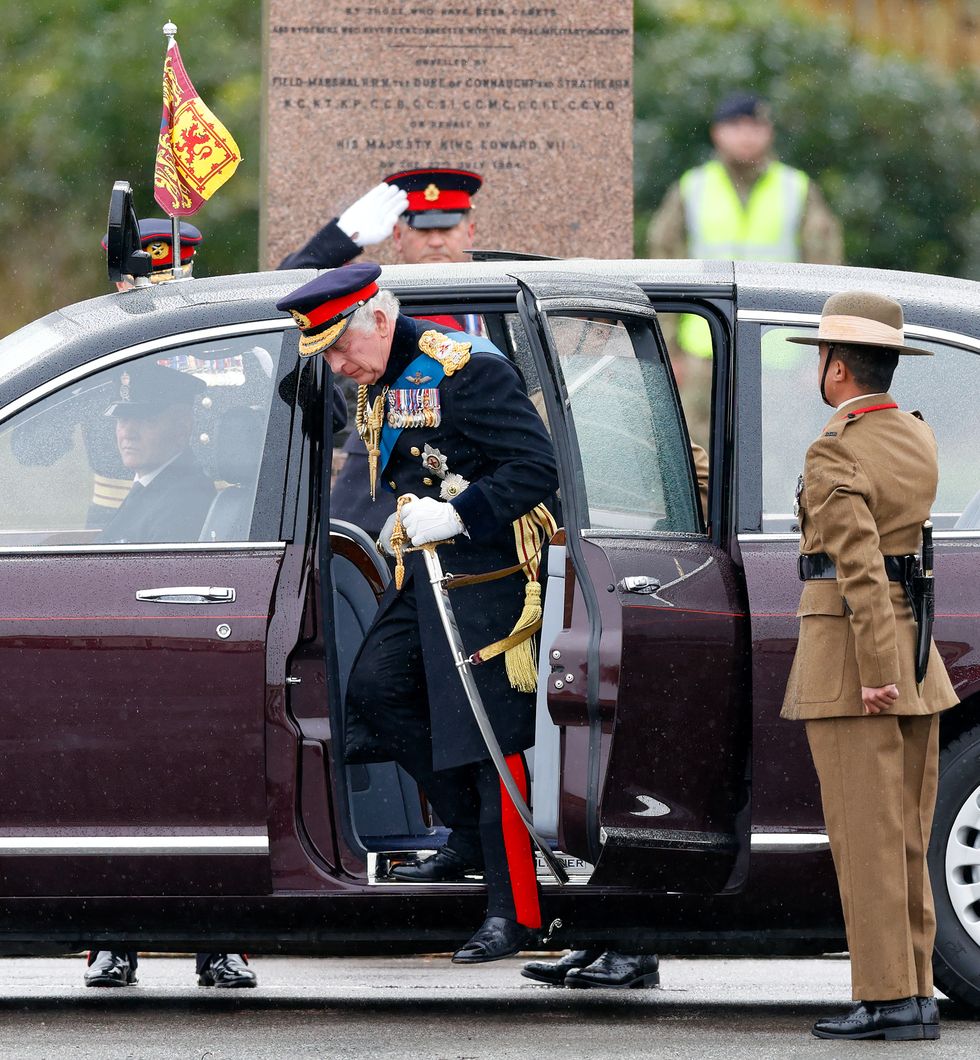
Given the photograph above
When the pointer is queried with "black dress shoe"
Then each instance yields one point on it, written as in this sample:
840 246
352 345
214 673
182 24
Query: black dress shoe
110 969
498 937
553 972
619 971
445 866
228 970
895 1021
929 1010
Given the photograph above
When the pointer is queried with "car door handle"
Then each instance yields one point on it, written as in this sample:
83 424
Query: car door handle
641 584
187 594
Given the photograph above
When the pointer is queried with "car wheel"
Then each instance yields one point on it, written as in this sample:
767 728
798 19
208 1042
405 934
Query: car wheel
954 866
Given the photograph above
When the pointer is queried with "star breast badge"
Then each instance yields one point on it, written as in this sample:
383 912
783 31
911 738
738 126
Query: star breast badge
434 462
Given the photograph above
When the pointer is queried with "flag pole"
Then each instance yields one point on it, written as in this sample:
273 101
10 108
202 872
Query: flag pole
170 31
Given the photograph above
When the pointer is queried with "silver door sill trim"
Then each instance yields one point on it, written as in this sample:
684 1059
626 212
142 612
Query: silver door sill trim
28 845
195 546
749 537
788 842
380 862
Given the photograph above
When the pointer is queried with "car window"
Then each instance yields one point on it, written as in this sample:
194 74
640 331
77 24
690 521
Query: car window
165 448
635 461
942 387
689 344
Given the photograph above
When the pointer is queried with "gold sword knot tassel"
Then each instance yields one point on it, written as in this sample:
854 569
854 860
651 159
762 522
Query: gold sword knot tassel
399 540
369 425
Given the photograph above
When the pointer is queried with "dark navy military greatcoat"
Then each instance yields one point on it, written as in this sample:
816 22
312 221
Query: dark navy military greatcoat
490 435
327 249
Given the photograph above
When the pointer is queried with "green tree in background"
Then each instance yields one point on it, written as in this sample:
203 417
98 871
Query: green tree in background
892 143
80 108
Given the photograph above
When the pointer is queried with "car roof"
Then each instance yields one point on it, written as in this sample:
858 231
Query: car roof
82 331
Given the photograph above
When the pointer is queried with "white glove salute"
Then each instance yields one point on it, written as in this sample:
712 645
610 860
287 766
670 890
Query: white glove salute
428 520
372 218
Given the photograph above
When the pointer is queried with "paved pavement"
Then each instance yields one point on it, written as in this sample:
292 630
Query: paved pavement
397 1008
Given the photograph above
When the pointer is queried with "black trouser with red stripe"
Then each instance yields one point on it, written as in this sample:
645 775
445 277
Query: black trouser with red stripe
387 686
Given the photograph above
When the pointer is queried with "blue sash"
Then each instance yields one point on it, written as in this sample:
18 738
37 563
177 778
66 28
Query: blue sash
424 366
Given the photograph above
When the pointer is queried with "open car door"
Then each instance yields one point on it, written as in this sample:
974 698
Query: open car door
649 673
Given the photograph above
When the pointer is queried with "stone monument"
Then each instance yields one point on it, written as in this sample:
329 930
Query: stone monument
537 99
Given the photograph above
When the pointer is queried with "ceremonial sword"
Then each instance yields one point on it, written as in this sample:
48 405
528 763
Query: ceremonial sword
437 579
924 591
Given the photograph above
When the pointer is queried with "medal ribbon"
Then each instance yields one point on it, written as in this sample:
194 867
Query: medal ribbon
422 366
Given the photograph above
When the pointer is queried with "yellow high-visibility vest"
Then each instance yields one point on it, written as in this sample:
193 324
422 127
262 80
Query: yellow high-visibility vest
719 225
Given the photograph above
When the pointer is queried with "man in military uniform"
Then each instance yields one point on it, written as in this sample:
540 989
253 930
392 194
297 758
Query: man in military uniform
170 495
168 502
446 421
744 204
868 484
157 239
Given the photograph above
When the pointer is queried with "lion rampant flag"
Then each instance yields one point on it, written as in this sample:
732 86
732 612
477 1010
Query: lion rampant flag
195 154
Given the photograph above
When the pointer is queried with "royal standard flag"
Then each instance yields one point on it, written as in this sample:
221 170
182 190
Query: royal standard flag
195 154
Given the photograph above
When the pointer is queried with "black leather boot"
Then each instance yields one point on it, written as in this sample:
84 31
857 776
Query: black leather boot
109 968
229 971
617 971
498 937
553 972
445 866
895 1021
929 1008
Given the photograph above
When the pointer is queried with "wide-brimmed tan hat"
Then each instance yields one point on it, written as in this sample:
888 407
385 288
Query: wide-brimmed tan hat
860 318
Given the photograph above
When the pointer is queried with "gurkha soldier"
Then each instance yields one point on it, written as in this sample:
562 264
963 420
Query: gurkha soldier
445 420
868 485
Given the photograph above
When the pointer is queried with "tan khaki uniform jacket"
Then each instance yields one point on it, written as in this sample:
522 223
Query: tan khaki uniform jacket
869 483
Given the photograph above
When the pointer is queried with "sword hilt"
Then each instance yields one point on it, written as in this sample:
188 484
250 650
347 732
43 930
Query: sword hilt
927 548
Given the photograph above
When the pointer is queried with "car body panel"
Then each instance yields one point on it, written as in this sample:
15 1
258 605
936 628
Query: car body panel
279 772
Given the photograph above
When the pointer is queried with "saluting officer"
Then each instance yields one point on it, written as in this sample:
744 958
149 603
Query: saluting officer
445 419
434 225
868 484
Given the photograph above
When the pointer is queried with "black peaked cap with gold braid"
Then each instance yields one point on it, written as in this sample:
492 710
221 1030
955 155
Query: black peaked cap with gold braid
323 307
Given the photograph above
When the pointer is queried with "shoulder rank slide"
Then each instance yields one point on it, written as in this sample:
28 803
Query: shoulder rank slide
450 354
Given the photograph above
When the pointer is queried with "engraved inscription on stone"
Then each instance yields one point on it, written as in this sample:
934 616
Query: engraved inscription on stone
538 99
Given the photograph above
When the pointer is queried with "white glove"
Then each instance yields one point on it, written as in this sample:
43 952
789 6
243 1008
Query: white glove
383 544
428 520
372 218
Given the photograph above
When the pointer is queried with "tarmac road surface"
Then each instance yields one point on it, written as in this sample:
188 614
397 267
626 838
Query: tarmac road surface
395 1008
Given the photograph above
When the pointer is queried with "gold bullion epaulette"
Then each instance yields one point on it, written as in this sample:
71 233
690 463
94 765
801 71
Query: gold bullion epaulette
450 354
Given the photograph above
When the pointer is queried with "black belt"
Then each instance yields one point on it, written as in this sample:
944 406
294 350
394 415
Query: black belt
819 566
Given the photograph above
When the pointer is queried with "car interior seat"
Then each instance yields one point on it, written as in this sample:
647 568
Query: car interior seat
236 458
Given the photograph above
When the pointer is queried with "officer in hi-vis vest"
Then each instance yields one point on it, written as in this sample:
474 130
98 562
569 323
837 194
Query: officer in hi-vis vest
743 204
867 679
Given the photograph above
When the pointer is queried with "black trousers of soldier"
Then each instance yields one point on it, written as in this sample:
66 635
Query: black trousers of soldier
387 687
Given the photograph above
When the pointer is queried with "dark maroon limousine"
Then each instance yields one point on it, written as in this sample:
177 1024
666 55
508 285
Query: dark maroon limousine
170 710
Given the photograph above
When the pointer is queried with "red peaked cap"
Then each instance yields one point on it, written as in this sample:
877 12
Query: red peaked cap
159 230
437 198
